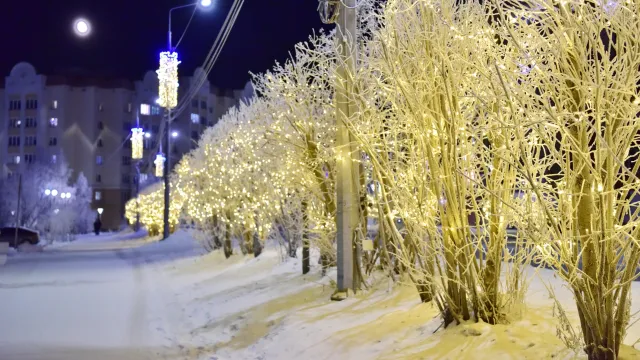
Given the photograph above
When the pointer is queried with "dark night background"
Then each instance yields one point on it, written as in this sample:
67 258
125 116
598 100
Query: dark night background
127 36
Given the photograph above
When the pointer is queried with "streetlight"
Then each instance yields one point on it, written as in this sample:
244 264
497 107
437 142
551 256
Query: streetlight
174 134
54 192
147 135
168 99
47 192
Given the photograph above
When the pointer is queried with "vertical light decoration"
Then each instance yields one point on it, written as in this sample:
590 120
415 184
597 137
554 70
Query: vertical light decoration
168 80
159 161
137 138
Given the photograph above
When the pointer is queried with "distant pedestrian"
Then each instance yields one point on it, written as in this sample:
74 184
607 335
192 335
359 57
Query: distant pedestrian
97 225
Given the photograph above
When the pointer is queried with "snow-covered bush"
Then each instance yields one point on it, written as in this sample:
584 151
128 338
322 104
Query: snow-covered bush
49 202
578 91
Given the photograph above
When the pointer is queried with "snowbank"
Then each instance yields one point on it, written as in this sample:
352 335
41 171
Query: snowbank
262 308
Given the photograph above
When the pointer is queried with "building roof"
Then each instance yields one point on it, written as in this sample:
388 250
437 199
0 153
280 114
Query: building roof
85 81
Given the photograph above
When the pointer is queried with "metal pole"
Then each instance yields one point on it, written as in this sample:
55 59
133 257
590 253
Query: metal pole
165 170
347 179
15 240
137 226
167 164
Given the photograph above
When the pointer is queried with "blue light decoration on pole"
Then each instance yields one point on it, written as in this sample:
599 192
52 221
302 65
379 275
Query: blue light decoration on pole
168 79
159 161
137 139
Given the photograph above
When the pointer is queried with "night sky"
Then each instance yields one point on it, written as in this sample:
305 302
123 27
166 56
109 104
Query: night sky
127 36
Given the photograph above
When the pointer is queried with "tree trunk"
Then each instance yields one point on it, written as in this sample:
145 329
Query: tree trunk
305 239
228 250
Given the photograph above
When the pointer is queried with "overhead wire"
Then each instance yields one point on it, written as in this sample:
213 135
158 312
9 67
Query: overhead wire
210 59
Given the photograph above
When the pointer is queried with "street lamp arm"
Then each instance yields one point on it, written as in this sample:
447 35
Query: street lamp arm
171 12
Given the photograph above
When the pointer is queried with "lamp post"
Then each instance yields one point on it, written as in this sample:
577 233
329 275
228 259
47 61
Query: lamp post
168 99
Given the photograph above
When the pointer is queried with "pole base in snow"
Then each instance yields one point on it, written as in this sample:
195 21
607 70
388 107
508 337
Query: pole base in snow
341 295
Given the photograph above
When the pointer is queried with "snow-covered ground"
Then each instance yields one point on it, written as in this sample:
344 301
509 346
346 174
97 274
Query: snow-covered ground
128 297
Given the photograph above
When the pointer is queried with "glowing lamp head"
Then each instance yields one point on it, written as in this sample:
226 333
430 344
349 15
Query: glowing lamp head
82 27
47 192
205 3
54 192
147 135
174 134
100 211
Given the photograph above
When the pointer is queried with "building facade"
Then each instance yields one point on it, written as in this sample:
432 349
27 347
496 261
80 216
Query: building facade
87 122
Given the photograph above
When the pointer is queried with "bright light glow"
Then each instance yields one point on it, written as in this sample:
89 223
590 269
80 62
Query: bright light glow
174 134
63 195
137 143
100 211
82 27
205 3
145 109
54 192
47 192
159 161
56 211
68 195
168 80
147 135
158 101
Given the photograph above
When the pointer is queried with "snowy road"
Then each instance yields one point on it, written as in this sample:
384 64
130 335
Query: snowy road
89 300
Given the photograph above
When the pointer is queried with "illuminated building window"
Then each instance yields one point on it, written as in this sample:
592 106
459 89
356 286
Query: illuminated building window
195 118
145 109
98 194
53 122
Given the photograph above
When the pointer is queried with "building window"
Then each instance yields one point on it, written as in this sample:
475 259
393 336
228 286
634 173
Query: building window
100 143
194 103
145 109
14 105
210 123
54 159
155 110
126 179
54 104
31 104
126 160
195 118
53 141
30 123
30 158
14 140
99 160
155 129
101 107
15 123
143 177
30 141
16 159
211 110
203 120
53 122
100 125
98 194
98 178
194 135
203 105
129 107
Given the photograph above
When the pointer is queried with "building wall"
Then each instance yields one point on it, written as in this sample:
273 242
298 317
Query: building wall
87 121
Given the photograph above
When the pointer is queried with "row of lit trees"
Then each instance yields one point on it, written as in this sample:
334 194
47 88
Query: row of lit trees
494 133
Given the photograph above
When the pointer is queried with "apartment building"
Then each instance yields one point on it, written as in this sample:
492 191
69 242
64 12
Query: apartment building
87 121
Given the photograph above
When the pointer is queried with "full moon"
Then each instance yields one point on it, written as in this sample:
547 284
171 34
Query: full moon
82 27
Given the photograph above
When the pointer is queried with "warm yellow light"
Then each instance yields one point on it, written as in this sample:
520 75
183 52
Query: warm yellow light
137 138
159 161
168 80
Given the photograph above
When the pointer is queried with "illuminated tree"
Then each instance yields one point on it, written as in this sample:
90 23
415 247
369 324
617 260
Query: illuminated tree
580 144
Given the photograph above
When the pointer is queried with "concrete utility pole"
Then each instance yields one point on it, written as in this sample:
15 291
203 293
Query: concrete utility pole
344 14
